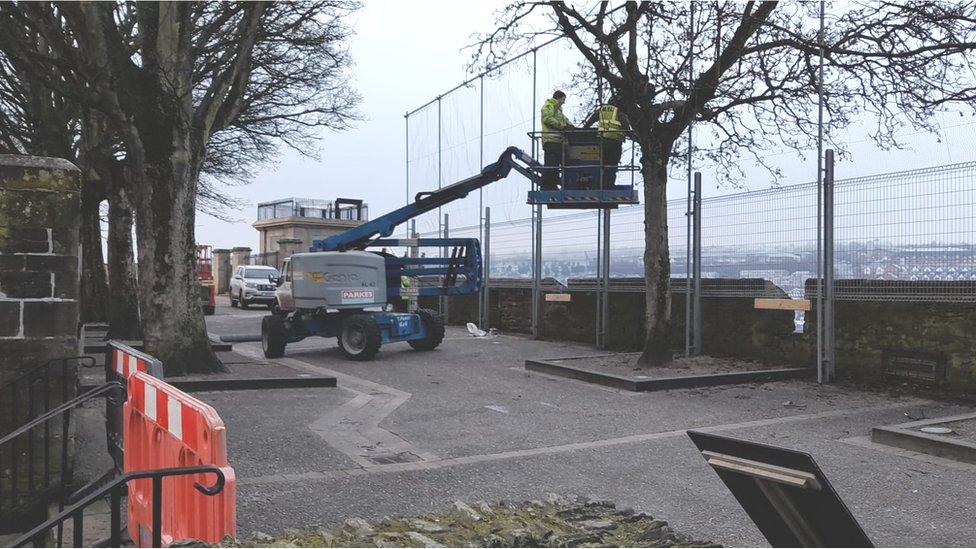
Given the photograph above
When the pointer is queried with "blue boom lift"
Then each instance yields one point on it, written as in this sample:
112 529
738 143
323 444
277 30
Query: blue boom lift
339 290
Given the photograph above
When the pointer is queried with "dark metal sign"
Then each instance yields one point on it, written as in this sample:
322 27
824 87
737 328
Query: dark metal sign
915 365
784 492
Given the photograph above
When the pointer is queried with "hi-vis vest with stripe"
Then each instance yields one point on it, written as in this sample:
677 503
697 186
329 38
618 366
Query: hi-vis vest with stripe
609 123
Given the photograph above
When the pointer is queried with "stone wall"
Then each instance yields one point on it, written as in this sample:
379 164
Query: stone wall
864 329
222 269
731 326
39 258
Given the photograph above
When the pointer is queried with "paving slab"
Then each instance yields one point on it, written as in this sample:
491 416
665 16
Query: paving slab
958 444
485 428
621 371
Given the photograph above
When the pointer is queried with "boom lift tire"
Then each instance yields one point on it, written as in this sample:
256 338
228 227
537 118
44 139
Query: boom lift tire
360 337
434 323
273 339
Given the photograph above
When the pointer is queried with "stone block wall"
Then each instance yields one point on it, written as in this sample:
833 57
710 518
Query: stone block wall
731 326
39 261
222 269
864 329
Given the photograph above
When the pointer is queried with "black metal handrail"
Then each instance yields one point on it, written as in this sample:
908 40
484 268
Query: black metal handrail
67 371
114 489
113 391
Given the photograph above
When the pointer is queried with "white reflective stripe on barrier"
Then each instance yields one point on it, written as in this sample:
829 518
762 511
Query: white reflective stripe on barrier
150 399
119 357
175 417
133 365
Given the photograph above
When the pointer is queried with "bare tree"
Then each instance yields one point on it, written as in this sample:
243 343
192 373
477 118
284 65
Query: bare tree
168 77
36 120
746 72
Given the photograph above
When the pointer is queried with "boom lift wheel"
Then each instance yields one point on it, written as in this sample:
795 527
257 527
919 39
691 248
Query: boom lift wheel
434 323
273 336
360 337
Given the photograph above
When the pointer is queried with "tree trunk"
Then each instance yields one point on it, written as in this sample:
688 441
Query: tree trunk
123 307
657 262
169 294
94 290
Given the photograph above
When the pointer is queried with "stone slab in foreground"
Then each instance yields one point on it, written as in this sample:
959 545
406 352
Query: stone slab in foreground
556 522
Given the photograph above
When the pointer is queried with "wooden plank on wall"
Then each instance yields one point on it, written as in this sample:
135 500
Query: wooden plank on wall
558 297
782 304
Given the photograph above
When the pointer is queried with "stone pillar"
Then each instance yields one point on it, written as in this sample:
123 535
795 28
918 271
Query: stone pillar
222 269
238 257
287 247
39 259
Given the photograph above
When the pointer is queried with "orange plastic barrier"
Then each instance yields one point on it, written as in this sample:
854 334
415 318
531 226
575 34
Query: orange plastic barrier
125 360
165 427
120 362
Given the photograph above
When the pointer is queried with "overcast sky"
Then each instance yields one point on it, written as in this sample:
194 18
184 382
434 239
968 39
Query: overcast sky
405 52
408 52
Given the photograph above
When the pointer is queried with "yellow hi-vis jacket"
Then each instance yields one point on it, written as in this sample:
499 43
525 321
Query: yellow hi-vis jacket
404 284
609 123
553 121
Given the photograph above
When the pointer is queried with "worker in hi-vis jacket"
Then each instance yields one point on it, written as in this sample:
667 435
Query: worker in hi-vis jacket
554 122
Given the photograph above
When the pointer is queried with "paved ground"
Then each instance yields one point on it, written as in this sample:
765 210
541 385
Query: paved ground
410 432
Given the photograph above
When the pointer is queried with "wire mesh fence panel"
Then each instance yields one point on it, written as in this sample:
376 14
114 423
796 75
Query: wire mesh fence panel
760 236
509 111
907 236
461 148
422 160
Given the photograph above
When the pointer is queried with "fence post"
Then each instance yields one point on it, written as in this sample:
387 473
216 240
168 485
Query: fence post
605 283
445 253
439 153
406 119
696 247
414 301
828 311
597 294
689 213
536 225
485 317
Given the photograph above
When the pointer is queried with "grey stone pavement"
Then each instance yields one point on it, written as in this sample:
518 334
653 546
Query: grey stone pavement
411 432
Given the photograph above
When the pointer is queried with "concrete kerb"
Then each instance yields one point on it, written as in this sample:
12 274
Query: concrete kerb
907 437
247 384
102 347
647 385
199 384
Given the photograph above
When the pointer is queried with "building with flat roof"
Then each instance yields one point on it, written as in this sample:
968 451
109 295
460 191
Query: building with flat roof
300 221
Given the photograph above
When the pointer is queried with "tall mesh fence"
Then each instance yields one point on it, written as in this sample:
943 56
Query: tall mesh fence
915 226
910 226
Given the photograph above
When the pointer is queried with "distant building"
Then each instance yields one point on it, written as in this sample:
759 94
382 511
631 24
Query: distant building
304 220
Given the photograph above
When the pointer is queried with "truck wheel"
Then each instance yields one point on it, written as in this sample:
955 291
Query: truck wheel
241 302
360 337
273 336
434 323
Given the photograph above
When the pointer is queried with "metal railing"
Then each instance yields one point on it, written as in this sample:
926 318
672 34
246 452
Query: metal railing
38 535
18 496
900 236
28 401
313 209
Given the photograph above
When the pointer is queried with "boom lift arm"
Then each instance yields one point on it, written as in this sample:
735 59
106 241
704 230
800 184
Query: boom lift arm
360 237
